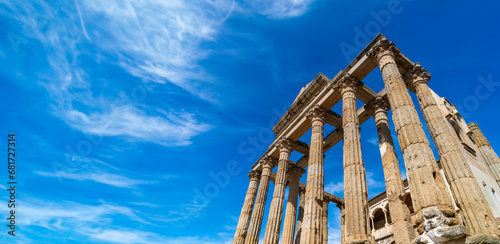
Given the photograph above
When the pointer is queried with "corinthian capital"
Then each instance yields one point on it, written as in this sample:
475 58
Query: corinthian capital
267 162
380 103
349 84
417 75
382 47
254 175
284 145
316 114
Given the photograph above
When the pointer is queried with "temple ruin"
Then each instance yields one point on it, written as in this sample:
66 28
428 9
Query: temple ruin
451 200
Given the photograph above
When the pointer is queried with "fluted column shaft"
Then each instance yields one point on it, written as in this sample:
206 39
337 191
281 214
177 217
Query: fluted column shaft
246 210
260 203
355 189
291 205
395 190
273 225
300 216
325 221
313 212
426 184
485 149
473 206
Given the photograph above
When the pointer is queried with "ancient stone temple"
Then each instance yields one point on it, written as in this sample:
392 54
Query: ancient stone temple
451 200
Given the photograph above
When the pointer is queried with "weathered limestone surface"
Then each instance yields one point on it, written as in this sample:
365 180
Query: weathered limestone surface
260 203
273 225
395 191
313 211
473 206
426 184
325 220
355 189
300 216
489 156
246 210
291 206
446 232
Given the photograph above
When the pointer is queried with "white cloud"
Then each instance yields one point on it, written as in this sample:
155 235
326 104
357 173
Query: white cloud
334 235
101 177
335 188
371 182
96 222
338 187
373 141
280 9
175 128
403 173
157 41
65 214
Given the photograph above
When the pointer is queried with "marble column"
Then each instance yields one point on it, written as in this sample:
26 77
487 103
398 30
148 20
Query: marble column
291 206
325 220
473 206
300 215
313 211
355 189
273 225
430 198
260 203
395 190
342 222
485 149
246 210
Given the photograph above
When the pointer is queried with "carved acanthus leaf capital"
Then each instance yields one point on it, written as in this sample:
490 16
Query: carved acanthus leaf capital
254 174
382 47
316 114
349 84
267 162
284 145
417 75
381 103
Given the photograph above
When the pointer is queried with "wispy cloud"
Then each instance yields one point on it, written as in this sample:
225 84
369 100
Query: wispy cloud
373 141
174 128
403 173
156 41
279 9
335 188
101 177
48 213
371 182
334 235
96 222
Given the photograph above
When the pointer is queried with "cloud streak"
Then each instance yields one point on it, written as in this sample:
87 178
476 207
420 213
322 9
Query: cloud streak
280 9
103 178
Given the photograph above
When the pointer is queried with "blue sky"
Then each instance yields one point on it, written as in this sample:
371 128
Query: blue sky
137 122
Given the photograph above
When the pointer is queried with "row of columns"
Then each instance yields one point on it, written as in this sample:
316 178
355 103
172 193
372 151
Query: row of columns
431 201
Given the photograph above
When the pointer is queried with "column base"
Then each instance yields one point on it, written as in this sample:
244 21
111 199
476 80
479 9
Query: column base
439 228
